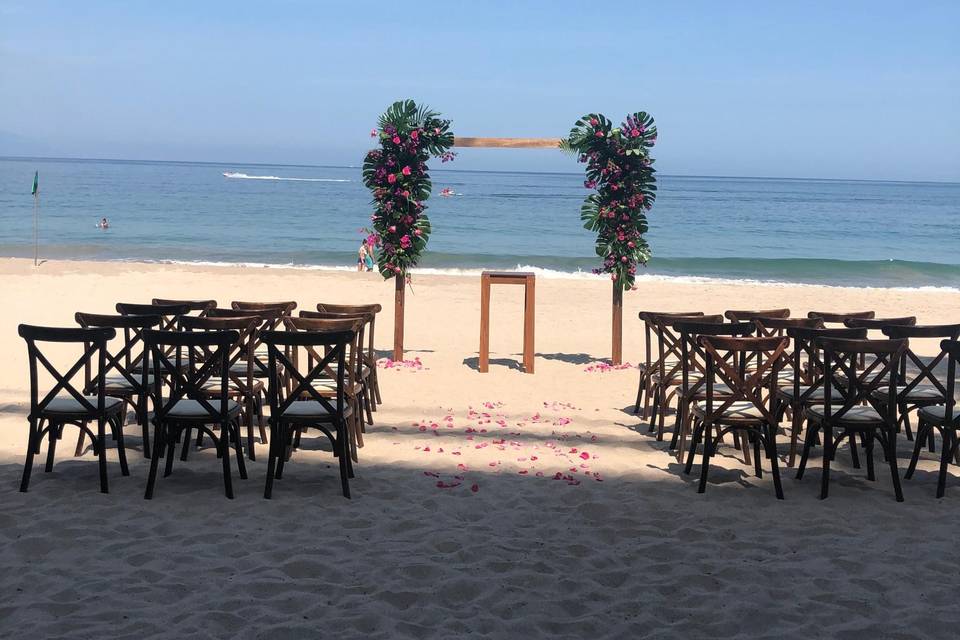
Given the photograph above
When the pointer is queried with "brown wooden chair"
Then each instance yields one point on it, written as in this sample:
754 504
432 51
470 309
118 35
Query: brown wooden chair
306 407
944 418
918 383
739 315
201 307
242 385
742 407
64 403
184 362
853 411
364 371
370 357
125 376
693 362
650 363
170 313
805 387
667 379
287 306
328 387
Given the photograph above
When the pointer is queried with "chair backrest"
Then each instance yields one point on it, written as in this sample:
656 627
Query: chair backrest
366 318
332 325
647 317
913 370
768 326
283 348
201 306
92 345
693 358
952 350
171 313
240 351
374 309
879 323
269 319
287 306
185 377
669 358
829 317
858 383
807 360
726 363
127 361
735 315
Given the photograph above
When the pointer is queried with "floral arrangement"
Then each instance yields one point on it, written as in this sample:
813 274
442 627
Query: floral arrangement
620 169
396 174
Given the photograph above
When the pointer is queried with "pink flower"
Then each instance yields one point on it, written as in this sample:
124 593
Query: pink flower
436 130
594 122
599 134
415 134
392 229
373 133
416 232
405 193
405 171
391 178
634 132
396 139
405 242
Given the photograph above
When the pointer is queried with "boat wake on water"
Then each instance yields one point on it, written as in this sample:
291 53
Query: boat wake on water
244 176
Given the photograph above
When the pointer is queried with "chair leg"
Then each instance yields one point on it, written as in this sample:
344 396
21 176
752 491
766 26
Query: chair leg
121 447
771 442
828 450
367 403
261 420
144 424
238 448
187 441
248 418
31 451
922 428
808 438
795 421
276 428
854 452
345 471
708 444
892 460
52 445
757 470
171 448
158 446
695 439
223 444
636 405
102 454
654 408
868 449
947 448
81 439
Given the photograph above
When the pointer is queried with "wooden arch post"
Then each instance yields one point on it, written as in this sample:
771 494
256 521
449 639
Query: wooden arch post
616 351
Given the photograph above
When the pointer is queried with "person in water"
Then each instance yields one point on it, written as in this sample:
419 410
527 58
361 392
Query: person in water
103 224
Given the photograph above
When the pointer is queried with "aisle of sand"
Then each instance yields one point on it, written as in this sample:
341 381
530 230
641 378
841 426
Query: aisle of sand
459 522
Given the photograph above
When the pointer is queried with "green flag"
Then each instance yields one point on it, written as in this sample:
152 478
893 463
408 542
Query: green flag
36 183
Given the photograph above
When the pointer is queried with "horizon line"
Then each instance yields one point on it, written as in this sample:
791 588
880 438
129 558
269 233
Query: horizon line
572 173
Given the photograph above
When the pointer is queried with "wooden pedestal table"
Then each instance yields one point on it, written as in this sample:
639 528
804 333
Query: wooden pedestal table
528 280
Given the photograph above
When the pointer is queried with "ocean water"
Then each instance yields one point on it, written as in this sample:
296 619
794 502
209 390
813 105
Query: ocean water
878 234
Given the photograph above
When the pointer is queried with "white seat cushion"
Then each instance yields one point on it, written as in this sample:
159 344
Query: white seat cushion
854 414
738 410
67 404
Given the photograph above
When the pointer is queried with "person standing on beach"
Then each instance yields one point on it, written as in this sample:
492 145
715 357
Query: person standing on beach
362 256
369 261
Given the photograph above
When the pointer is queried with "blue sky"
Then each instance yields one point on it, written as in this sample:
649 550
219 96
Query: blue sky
801 89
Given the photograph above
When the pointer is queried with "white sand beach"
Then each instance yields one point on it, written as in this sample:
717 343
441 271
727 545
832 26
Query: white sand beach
498 505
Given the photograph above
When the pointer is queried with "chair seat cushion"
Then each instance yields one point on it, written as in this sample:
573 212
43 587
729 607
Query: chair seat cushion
68 405
937 414
311 410
738 410
185 409
817 395
213 386
120 382
693 377
919 392
853 415
328 387
719 389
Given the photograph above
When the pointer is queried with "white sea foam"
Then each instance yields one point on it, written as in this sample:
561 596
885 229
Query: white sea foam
243 176
554 274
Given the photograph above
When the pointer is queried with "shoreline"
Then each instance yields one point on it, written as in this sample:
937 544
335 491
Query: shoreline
474 272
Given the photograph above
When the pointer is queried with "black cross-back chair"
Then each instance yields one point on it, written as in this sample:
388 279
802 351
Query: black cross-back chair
918 384
668 377
305 406
363 372
125 376
243 385
370 356
856 411
270 320
749 407
169 313
944 418
693 360
200 307
650 363
64 403
187 403
805 386
839 317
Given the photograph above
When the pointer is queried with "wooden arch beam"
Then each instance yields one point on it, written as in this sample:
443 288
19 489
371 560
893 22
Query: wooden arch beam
508 143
